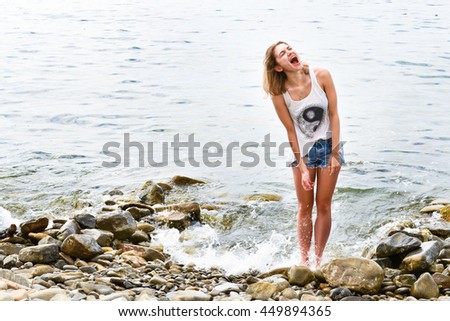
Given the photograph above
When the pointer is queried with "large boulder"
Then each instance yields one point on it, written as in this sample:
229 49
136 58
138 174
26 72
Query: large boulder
300 275
69 228
425 287
151 194
81 246
184 180
262 290
191 208
40 253
422 258
121 224
35 225
10 248
85 220
397 244
103 238
358 274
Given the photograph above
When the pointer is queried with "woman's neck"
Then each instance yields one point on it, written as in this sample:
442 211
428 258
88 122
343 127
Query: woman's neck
295 78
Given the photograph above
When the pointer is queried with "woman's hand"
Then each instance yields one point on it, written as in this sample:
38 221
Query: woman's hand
335 164
307 183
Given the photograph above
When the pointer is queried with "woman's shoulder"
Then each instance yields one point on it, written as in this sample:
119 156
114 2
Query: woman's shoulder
320 71
322 75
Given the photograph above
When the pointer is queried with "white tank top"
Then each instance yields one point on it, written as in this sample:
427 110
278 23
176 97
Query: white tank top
310 117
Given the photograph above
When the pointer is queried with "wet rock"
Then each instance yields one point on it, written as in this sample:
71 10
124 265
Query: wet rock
82 203
442 280
280 282
179 180
121 224
40 253
139 237
10 261
145 227
138 205
9 232
441 230
139 213
49 240
102 237
384 262
300 275
69 228
152 255
404 280
15 240
445 213
133 259
85 221
422 258
444 253
261 290
188 295
209 207
338 294
165 187
425 287
283 271
431 208
289 293
422 234
263 197
441 201
35 225
81 246
361 275
115 192
179 221
397 244
191 208
151 194
10 248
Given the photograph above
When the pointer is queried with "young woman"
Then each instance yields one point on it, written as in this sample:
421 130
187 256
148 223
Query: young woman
306 103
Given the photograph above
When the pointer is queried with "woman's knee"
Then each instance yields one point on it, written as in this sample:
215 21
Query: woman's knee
323 206
305 209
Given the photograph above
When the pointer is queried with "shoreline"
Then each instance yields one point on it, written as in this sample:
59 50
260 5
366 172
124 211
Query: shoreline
111 256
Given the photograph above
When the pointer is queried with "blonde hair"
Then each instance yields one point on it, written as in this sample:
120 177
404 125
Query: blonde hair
273 82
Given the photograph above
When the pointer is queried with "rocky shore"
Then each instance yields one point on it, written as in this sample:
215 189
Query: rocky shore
110 256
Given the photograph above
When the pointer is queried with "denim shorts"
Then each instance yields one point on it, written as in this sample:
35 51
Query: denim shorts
319 154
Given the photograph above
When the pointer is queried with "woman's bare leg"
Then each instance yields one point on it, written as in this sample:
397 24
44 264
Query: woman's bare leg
326 184
304 219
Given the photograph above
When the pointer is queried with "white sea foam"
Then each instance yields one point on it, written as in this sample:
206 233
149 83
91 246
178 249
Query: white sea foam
201 245
6 218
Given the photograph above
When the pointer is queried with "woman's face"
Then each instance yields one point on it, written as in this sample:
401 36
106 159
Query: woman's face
287 59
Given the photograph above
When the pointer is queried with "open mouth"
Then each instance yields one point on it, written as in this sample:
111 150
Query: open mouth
294 60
